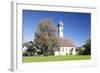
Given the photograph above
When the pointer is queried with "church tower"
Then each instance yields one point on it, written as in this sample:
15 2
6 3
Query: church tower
60 29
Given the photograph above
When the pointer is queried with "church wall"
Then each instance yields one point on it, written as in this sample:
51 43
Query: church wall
67 51
74 51
57 53
62 50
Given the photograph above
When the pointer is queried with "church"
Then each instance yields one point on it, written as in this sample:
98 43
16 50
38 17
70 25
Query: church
65 46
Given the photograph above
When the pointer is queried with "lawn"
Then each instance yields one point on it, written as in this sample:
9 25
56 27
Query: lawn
55 58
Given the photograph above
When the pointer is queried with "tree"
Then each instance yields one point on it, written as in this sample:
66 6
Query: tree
81 51
87 47
31 50
45 37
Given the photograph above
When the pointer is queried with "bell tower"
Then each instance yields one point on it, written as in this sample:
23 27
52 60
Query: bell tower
60 29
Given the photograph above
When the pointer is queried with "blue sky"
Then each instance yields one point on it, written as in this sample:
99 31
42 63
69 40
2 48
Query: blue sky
77 26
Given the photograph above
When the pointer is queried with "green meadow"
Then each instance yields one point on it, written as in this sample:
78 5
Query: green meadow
55 58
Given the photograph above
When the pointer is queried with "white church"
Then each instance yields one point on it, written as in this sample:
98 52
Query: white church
65 46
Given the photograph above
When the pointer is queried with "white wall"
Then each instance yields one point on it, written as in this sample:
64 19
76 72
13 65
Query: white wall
66 50
62 51
74 51
56 53
5 38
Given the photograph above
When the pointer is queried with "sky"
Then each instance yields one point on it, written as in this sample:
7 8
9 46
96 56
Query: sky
77 26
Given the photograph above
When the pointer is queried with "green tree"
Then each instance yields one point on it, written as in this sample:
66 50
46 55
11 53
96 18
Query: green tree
45 37
81 51
87 47
31 49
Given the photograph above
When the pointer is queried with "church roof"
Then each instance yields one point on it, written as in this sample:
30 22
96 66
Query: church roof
65 42
60 23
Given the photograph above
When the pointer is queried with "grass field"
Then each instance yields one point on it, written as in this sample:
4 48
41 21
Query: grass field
55 58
